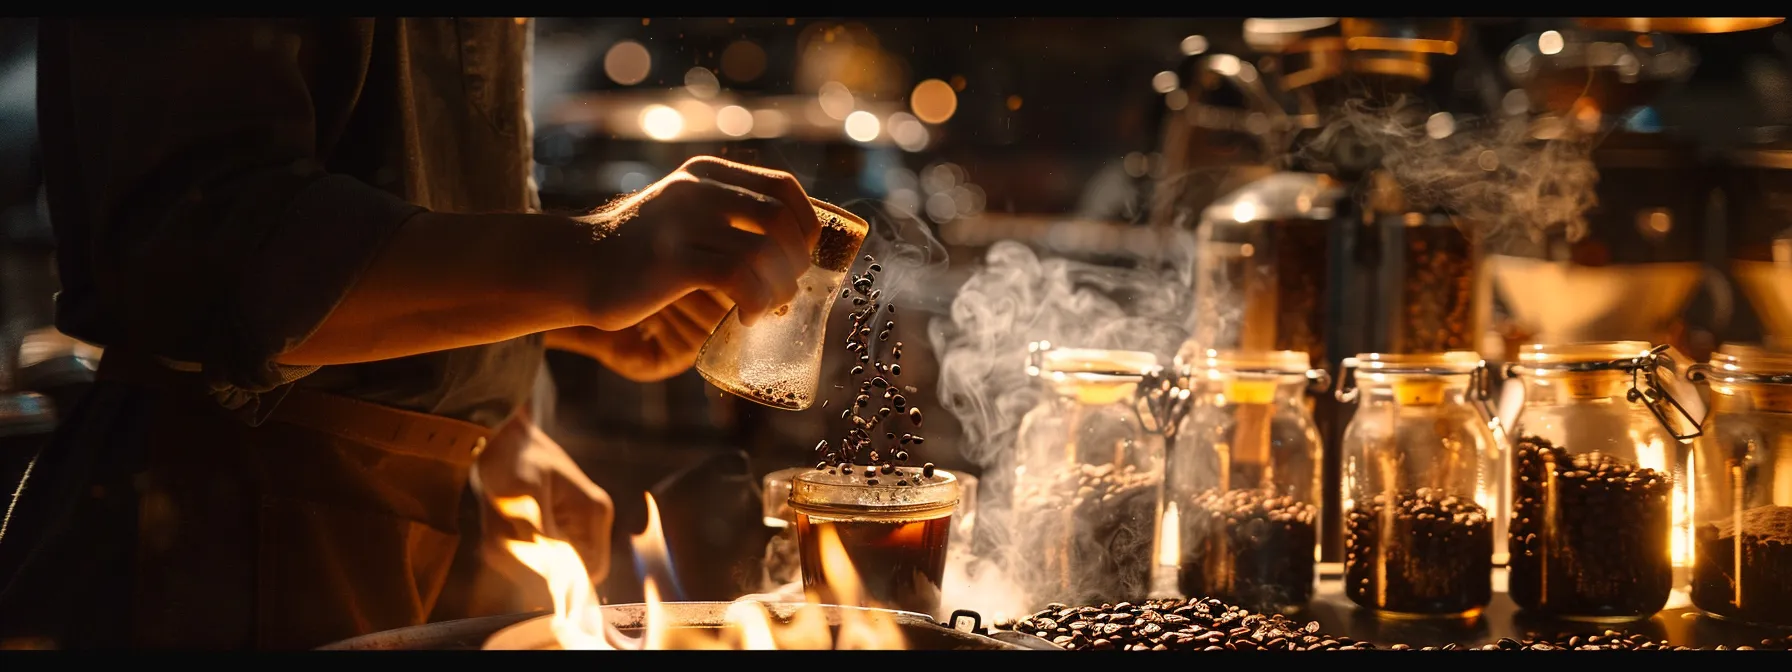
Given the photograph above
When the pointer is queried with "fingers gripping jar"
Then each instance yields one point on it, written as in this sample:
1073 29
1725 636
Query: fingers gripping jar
1243 481
1088 481
1420 484
1742 489
1599 459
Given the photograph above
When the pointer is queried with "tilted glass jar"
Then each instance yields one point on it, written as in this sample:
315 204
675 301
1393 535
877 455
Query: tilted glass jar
1242 488
1598 478
1742 488
1088 481
1421 473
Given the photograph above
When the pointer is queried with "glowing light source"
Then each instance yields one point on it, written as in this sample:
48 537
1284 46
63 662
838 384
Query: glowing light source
661 123
1193 45
1014 103
862 126
734 121
1244 211
907 132
1550 43
743 61
770 123
836 100
701 82
1176 100
1440 125
627 63
933 101
1165 81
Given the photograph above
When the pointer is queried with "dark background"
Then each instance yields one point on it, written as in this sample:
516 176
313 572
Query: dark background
1054 118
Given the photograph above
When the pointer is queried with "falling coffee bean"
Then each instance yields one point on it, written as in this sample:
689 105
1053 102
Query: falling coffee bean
914 416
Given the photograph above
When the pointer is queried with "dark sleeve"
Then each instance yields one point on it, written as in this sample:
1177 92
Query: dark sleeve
216 236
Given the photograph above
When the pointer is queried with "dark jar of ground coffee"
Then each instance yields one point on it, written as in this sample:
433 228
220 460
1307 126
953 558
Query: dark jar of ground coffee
1420 484
1742 488
1600 506
1242 489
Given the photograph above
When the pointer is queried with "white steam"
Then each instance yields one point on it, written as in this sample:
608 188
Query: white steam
1510 182
1014 299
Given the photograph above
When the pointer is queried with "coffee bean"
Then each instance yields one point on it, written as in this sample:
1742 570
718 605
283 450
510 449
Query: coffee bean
895 369
1437 559
927 470
914 416
1613 522
1250 547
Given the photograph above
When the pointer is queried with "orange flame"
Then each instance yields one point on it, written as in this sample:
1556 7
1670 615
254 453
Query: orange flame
578 621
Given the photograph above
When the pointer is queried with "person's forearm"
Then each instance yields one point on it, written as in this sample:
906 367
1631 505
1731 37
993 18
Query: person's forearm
447 281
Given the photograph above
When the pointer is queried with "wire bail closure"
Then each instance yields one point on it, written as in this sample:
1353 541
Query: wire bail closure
1646 387
1164 395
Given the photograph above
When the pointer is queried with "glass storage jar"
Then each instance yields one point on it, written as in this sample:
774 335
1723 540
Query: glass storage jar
1598 472
1421 468
1242 485
1742 488
1088 481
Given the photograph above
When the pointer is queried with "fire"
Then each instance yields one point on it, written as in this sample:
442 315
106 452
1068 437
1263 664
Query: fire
579 622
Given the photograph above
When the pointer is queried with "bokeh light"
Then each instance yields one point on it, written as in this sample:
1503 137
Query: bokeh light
907 132
862 126
1550 43
1165 81
743 61
933 101
734 121
661 123
1440 125
770 123
1194 45
701 82
836 100
1014 103
627 63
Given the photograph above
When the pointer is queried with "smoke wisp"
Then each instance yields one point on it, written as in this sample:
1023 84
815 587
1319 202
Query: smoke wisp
1509 181
1013 299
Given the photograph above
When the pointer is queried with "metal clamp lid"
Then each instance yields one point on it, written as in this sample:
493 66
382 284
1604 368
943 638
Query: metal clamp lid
1163 396
1645 384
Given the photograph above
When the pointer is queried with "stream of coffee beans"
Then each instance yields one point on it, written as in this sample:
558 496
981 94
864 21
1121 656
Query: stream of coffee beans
1210 624
1601 548
884 426
1250 547
1762 591
1436 558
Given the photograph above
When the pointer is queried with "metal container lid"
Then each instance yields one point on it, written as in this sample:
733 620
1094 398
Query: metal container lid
25 413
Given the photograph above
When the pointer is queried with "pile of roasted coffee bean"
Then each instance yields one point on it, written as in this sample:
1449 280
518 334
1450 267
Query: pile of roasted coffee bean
1089 532
878 407
1176 625
1605 552
1436 558
1252 547
1212 625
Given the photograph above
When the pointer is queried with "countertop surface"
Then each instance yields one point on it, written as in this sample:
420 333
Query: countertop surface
1680 624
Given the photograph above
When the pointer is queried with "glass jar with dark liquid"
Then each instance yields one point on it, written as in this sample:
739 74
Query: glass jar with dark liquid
894 530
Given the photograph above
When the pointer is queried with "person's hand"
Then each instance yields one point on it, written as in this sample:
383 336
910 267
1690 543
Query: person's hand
661 346
741 231
521 460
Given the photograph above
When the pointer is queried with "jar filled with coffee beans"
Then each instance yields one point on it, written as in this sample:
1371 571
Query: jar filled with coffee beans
1421 464
1242 486
1742 488
1598 481
1088 481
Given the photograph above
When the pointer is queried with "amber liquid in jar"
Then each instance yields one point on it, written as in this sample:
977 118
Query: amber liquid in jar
900 560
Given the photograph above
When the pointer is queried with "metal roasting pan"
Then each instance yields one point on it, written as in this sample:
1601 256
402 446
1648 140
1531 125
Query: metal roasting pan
530 631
